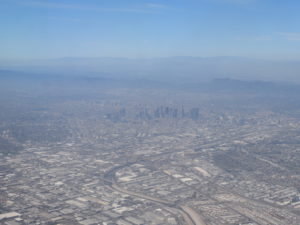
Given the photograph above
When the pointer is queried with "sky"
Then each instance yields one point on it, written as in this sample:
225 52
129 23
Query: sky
41 29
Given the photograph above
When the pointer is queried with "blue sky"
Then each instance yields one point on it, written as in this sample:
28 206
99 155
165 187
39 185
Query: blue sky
32 29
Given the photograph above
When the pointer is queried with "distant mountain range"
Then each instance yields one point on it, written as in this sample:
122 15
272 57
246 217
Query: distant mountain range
179 69
8 77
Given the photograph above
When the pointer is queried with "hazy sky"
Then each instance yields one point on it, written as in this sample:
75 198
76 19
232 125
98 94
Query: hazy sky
158 28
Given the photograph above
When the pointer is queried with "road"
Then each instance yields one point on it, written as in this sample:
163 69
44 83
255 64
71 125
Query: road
190 216
193 215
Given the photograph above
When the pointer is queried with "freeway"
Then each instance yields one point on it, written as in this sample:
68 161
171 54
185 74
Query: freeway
190 216
195 217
